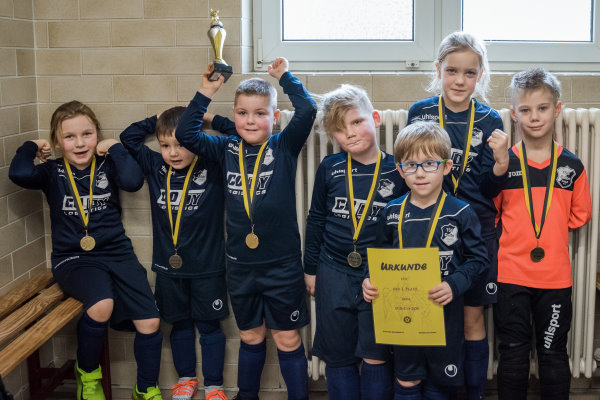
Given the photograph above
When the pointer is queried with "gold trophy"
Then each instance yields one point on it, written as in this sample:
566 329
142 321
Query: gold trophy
217 34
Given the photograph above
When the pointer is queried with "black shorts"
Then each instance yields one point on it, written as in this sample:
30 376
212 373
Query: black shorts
91 279
273 293
484 291
345 332
443 365
549 309
200 299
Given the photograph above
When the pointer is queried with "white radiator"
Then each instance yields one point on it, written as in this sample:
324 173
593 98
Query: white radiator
579 131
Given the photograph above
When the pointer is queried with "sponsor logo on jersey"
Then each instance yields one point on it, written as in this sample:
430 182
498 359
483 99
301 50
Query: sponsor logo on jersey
99 203
340 208
512 174
449 234
564 176
193 198
445 260
234 182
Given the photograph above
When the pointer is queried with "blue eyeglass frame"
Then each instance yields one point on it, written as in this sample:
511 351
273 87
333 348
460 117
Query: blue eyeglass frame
421 165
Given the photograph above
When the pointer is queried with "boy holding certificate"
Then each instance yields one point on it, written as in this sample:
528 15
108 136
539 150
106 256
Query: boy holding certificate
427 217
544 195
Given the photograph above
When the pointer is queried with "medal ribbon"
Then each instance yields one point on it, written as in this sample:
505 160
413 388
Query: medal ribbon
527 186
369 204
435 215
175 231
85 218
248 199
468 137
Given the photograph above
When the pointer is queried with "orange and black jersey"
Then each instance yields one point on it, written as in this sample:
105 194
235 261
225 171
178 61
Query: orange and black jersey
570 208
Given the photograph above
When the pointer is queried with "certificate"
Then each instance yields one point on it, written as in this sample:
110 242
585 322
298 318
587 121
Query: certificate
402 313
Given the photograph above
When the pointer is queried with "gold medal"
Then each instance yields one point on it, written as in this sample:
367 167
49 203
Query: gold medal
354 259
87 242
175 261
537 254
252 240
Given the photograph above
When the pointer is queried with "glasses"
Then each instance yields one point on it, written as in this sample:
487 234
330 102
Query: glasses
428 166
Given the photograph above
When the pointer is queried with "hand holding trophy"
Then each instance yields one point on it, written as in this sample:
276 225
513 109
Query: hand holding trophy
217 34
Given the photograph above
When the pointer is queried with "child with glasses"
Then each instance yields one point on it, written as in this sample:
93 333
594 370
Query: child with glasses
350 190
422 153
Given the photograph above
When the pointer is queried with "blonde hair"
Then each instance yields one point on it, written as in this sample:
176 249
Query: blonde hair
425 136
535 78
257 87
334 105
67 111
459 41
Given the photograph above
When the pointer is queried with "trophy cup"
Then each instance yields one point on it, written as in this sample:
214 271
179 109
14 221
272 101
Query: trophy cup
217 34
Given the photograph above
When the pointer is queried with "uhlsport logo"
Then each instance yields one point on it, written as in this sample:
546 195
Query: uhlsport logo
217 304
451 370
491 288
552 326
295 315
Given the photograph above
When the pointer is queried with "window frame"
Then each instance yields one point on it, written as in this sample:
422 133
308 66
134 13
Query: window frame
392 56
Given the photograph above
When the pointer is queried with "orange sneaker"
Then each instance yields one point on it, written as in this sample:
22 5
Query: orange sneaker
218 394
185 389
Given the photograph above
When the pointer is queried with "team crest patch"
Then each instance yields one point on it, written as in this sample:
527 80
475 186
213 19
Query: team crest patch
451 370
449 234
268 157
200 177
491 288
386 188
101 180
477 137
564 176
217 304
295 315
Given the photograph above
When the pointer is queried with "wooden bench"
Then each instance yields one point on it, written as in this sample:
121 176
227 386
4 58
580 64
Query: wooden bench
30 315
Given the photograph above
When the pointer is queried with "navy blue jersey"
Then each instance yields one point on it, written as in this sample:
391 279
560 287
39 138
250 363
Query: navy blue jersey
463 255
275 209
105 224
329 227
201 240
481 158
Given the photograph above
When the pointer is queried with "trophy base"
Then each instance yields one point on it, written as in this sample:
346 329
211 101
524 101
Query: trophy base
218 69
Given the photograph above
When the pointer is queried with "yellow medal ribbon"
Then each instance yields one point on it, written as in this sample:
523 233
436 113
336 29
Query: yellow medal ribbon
84 217
433 221
175 231
358 227
249 198
527 189
469 135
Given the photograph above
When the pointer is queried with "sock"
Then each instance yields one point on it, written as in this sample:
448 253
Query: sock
90 338
294 369
213 357
183 339
476 364
343 383
146 349
434 392
407 393
251 361
376 381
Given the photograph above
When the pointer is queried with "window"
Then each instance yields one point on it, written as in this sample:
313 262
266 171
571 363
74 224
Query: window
397 35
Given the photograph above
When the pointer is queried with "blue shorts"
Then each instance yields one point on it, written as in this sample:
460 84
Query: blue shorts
271 293
91 279
443 365
345 332
484 291
199 299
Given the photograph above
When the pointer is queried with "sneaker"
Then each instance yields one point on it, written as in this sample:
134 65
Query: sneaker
185 389
218 394
153 393
89 386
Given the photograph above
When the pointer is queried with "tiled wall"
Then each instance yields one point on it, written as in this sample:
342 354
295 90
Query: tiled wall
128 60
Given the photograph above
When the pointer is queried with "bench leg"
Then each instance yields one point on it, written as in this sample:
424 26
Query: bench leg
39 390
